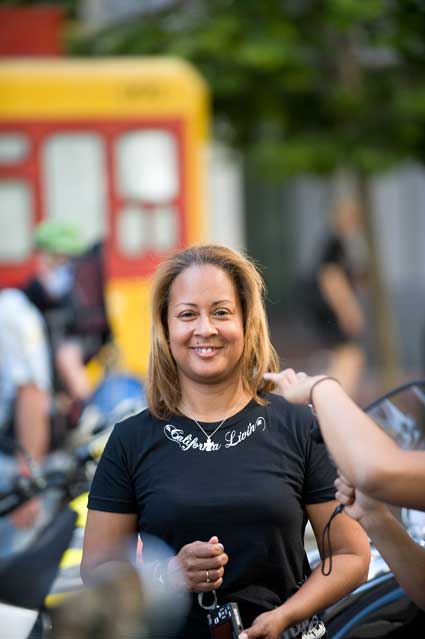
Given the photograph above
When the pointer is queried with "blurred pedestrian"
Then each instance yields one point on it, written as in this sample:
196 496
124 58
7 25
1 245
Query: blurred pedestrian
25 393
25 374
331 297
50 290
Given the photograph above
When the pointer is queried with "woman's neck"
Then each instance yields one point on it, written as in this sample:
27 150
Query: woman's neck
213 402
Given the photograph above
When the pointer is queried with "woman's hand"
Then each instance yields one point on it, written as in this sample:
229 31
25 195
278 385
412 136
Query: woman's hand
356 504
199 566
295 387
268 625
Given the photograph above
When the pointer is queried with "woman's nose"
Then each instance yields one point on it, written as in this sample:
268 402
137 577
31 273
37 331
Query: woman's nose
204 325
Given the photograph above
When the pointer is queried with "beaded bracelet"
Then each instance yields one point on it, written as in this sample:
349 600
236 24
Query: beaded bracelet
322 379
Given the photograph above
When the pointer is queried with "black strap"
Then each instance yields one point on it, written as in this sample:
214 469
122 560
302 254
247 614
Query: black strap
326 535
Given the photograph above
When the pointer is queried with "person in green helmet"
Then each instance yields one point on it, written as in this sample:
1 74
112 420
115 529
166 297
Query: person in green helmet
40 341
27 351
56 243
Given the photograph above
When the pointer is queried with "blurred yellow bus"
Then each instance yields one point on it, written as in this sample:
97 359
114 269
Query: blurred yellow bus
117 147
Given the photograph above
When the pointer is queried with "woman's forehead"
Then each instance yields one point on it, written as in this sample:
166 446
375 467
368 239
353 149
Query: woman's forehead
202 282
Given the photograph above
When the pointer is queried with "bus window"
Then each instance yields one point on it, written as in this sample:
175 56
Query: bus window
74 181
133 231
164 229
15 221
147 165
141 230
13 148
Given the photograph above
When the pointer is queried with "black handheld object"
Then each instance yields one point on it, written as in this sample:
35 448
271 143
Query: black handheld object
225 622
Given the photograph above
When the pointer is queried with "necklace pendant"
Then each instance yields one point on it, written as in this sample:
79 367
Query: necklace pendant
208 444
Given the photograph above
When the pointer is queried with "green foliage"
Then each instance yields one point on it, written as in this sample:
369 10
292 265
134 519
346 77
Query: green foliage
299 85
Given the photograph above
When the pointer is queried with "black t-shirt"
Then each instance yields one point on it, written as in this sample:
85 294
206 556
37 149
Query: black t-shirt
250 490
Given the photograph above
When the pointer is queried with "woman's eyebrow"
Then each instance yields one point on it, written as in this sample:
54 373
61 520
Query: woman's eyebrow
186 304
222 302
212 303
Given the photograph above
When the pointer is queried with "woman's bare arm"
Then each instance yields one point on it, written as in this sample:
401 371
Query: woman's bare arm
106 539
368 457
405 557
350 563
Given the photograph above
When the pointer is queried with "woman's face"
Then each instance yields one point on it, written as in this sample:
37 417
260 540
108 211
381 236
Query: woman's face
205 325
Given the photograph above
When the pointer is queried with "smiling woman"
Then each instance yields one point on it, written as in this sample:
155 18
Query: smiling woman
205 327
225 472
212 296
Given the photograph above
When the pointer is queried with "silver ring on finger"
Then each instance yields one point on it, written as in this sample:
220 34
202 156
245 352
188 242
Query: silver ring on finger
208 580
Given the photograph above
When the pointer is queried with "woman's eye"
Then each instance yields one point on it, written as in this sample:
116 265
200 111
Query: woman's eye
187 315
221 312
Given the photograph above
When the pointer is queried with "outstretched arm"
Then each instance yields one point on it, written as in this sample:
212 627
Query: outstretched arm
405 557
368 457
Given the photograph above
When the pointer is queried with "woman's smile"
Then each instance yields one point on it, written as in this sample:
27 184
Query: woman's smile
205 351
205 325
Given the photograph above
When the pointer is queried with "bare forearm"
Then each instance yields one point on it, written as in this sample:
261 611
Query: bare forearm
32 420
351 437
364 453
100 572
405 557
320 591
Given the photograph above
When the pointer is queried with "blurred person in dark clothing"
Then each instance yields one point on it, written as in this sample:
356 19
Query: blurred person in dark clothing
332 300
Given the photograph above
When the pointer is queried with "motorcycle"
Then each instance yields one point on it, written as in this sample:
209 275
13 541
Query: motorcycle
50 559
138 605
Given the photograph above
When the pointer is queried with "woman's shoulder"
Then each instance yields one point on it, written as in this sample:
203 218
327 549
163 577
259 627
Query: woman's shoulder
279 403
290 417
134 424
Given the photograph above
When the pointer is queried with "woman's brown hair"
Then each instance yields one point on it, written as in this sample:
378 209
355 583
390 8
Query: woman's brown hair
259 356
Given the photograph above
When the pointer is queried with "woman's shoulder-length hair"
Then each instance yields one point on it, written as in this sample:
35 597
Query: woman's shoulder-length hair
258 356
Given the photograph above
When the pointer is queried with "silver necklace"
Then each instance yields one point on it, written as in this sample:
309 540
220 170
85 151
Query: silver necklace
209 443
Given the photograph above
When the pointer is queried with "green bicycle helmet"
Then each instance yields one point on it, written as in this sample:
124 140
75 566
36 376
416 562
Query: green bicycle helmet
58 237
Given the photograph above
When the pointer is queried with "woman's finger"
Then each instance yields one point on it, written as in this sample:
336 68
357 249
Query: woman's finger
289 374
208 576
344 488
212 563
344 499
203 550
205 586
276 378
344 478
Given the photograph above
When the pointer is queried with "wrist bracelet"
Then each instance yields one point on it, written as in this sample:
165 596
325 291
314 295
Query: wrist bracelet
316 383
160 571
